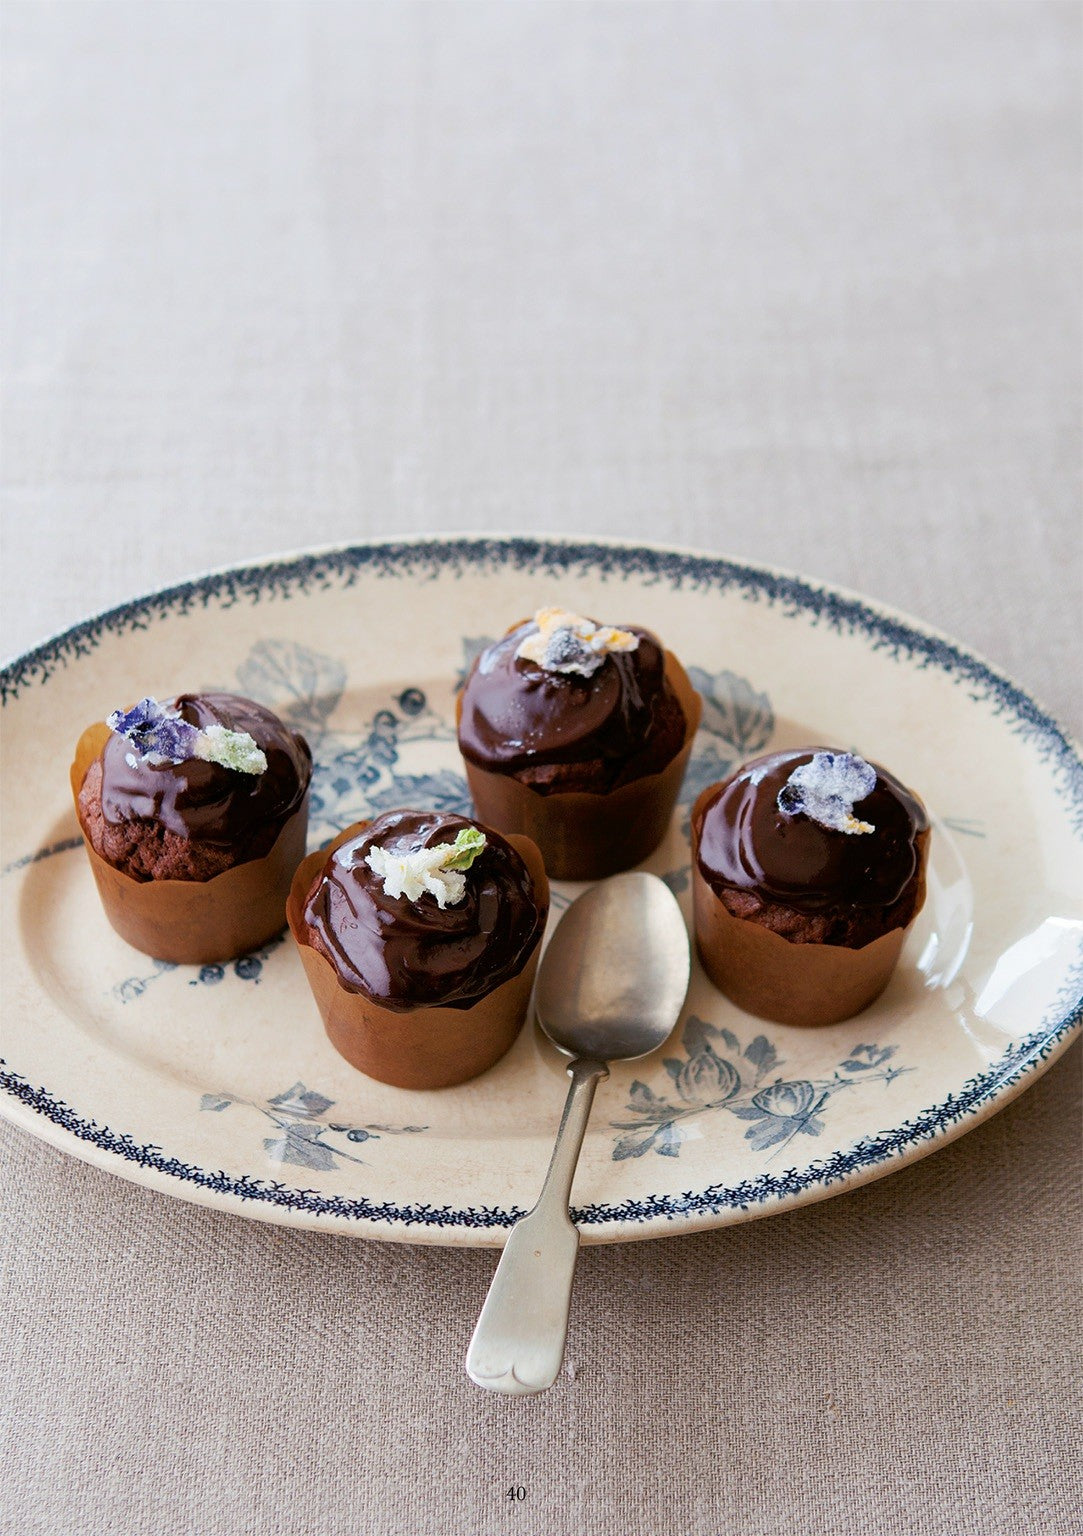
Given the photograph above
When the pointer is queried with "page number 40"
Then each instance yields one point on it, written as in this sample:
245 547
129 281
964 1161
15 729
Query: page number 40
516 1493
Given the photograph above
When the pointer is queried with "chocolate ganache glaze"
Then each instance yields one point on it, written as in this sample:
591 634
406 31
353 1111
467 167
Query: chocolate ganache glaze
622 722
205 802
411 954
746 844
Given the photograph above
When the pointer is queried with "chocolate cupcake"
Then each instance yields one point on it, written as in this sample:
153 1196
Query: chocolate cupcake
577 736
194 815
420 933
808 868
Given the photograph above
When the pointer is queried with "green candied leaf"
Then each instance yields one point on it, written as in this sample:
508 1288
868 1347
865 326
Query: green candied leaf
465 849
232 749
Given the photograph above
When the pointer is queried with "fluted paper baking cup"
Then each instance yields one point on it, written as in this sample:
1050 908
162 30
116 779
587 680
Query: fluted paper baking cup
195 922
772 977
421 1047
585 836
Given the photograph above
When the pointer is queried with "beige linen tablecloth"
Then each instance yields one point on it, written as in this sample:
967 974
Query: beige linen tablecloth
799 283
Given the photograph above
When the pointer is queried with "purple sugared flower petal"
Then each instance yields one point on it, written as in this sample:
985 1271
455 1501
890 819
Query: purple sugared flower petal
827 789
157 735
136 719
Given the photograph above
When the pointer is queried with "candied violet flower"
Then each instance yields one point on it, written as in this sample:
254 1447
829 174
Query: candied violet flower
827 789
566 642
157 735
161 736
566 652
140 717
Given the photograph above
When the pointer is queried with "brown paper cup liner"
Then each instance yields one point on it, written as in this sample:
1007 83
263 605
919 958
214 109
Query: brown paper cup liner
765 974
773 978
425 1047
196 922
589 836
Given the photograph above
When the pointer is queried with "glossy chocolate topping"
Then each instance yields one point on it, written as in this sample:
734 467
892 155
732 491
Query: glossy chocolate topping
517 715
411 954
205 802
745 842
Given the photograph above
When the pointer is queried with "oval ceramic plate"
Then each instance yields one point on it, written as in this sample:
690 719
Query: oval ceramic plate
218 1084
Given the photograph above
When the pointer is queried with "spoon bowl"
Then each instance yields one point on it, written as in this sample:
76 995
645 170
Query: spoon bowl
615 973
611 987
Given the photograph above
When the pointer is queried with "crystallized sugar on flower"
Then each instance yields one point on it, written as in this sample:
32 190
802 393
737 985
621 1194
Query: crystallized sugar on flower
566 642
232 749
827 789
412 872
161 736
158 736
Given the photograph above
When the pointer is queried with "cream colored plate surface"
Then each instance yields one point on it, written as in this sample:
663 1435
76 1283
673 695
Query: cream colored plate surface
219 1085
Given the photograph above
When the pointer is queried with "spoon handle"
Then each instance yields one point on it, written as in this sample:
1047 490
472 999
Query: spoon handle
518 1343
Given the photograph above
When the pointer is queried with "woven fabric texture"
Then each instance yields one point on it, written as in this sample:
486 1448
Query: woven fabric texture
794 282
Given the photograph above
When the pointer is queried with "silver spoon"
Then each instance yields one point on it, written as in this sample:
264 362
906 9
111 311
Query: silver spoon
610 988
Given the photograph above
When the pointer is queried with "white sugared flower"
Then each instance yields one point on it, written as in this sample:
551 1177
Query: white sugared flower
413 872
567 642
827 789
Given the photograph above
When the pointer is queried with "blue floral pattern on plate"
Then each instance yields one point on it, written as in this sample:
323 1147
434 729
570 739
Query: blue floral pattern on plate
245 968
299 1131
718 1073
355 774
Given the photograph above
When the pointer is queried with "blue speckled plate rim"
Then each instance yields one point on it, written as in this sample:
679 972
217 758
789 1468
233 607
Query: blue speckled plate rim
886 631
